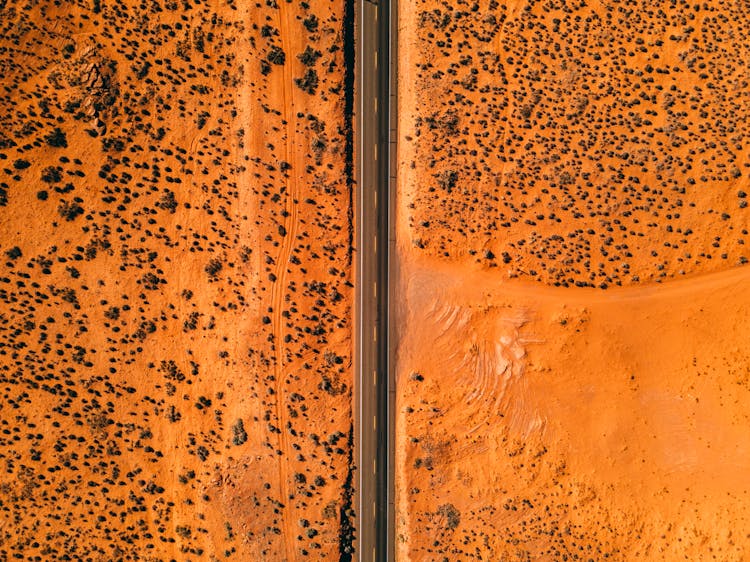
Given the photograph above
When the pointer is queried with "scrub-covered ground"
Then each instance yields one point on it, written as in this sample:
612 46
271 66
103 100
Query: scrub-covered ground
572 226
175 294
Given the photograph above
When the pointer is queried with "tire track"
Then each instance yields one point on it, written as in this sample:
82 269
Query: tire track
288 232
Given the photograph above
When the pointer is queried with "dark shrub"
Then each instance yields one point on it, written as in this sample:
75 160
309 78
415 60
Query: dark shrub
447 180
213 267
311 23
239 435
309 56
14 253
309 82
276 55
56 138
51 175
168 202
69 211
451 514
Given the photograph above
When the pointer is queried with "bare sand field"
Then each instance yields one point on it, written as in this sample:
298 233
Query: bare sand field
572 377
176 285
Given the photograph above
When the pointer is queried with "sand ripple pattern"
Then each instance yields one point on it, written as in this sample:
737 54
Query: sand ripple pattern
484 352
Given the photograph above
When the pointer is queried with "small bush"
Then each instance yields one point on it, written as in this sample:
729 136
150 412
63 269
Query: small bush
239 435
14 253
173 415
150 281
213 268
276 56
309 82
112 313
171 371
309 56
57 138
451 514
311 23
447 180
51 175
69 211
168 202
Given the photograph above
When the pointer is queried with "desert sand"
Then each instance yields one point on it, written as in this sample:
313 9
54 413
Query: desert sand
176 287
572 379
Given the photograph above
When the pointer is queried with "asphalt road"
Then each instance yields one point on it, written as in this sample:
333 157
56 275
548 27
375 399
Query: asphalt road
373 396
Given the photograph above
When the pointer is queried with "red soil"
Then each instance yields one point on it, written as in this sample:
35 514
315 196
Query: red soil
175 352
576 146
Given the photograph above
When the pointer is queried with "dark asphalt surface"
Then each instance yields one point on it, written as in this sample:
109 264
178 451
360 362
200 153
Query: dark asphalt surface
372 391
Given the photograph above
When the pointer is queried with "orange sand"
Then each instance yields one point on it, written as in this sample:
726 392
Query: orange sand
175 295
577 145
542 420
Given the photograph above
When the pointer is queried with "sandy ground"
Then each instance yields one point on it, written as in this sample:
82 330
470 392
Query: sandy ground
175 294
572 377
576 145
